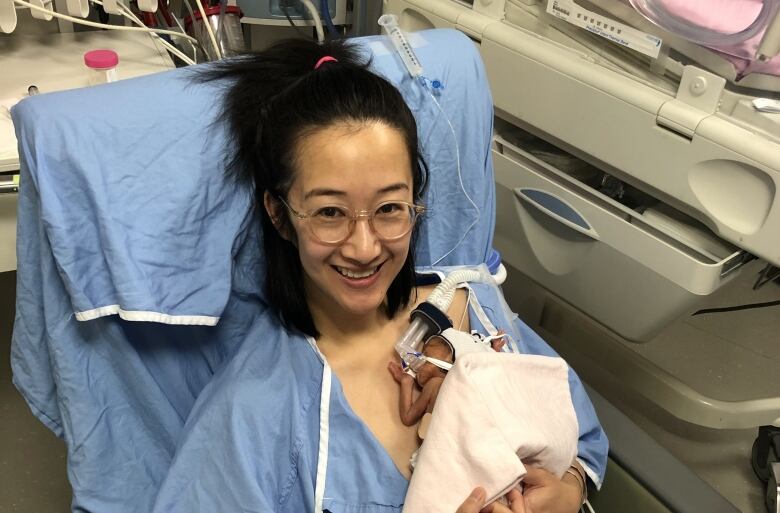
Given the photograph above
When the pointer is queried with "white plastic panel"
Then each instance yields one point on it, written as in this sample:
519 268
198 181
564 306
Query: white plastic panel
611 118
622 270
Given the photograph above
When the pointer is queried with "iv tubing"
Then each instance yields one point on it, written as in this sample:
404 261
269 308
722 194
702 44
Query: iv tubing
102 25
132 17
389 22
315 16
325 10
460 179
206 23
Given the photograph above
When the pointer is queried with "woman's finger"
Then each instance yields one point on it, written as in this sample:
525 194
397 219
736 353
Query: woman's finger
536 477
473 502
516 501
516 504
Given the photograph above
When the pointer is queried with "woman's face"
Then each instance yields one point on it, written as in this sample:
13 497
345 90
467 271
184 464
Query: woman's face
356 166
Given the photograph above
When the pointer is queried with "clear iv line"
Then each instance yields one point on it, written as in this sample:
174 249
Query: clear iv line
460 180
389 22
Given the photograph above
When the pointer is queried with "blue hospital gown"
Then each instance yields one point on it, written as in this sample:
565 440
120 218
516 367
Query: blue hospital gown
253 440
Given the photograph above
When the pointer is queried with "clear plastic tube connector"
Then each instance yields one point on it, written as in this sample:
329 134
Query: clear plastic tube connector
389 22
408 346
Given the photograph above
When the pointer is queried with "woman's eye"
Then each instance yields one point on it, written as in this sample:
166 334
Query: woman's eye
328 212
389 208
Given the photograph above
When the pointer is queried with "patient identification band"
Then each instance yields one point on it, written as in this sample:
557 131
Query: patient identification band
612 30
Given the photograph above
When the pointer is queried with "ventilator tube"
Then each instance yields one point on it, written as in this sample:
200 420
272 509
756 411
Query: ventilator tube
430 317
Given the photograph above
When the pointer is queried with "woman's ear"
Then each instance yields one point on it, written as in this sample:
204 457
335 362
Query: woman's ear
275 211
278 215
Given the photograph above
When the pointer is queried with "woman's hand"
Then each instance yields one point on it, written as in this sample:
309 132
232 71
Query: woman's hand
545 493
475 503
542 493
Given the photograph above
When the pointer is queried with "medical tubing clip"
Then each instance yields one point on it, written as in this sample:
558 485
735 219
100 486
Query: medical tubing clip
436 320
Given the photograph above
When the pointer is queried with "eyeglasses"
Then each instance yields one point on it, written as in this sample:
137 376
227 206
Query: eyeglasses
333 224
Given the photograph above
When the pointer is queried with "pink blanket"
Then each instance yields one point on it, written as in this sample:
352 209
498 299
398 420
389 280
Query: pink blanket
495 414
727 16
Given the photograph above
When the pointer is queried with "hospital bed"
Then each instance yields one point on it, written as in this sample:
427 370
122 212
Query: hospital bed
633 179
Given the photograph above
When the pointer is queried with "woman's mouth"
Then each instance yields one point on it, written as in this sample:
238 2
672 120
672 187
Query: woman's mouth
355 274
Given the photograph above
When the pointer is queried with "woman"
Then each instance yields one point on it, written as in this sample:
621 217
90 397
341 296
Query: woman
310 421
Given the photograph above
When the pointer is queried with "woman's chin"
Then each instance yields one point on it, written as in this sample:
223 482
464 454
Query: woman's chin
362 306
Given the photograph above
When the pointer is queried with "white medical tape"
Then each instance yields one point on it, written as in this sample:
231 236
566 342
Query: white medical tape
480 313
438 363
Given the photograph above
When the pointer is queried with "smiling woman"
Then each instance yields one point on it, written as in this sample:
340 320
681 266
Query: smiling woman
308 415
350 169
315 132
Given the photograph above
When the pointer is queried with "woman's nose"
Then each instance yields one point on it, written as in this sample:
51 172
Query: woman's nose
363 245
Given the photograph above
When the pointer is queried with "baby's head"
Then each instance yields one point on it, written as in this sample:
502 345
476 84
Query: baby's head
435 347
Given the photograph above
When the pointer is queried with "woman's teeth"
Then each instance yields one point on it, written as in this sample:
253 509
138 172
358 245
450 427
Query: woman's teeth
355 274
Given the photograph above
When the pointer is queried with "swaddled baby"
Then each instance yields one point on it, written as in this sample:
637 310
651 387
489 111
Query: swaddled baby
495 413
439 353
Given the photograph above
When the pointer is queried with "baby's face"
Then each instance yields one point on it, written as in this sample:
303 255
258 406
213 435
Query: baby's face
435 348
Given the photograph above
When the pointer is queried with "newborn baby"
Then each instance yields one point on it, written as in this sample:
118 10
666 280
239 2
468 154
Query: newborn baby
429 378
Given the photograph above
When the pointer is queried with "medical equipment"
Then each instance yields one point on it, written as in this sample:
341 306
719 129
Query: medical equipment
389 23
296 13
728 35
429 318
103 63
433 89
700 140
225 22
38 10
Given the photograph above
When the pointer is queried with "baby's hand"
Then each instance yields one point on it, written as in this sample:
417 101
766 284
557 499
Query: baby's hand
397 372
498 344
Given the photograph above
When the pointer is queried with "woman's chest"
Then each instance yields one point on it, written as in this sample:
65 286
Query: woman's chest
373 396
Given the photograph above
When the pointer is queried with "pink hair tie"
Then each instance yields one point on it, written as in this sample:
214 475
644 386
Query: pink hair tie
325 59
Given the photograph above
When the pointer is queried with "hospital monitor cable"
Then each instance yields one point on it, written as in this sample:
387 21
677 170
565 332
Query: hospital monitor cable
128 13
155 32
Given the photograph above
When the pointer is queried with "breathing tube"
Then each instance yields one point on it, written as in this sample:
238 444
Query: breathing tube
429 318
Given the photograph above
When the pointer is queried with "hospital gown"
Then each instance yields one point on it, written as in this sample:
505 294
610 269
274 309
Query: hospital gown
274 431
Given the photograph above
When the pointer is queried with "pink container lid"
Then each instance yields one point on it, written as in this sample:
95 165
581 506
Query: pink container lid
101 59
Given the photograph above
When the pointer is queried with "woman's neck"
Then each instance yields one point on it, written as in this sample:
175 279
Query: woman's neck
346 328
339 325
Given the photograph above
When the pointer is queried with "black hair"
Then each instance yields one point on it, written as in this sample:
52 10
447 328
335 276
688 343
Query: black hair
274 99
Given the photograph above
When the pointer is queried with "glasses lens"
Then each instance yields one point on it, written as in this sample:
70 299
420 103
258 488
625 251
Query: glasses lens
393 219
330 223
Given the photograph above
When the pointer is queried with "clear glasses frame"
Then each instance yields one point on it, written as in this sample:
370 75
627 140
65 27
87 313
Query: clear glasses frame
414 212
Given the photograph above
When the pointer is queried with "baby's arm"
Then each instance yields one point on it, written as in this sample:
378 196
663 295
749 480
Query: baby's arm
412 410
407 384
424 402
